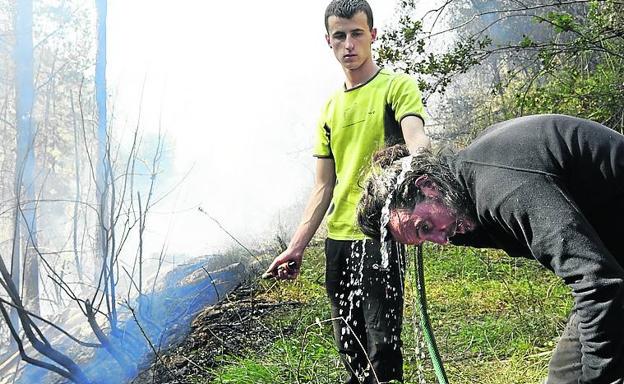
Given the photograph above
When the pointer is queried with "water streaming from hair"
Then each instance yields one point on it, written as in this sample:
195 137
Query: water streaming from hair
353 277
385 211
419 344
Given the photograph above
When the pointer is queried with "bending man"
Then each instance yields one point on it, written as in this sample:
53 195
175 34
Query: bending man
549 187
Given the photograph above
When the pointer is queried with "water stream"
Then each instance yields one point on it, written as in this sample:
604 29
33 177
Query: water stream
385 211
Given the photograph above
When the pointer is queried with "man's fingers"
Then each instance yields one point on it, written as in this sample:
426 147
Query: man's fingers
291 269
268 275
286 274
274 265
270 269
283 270
281 273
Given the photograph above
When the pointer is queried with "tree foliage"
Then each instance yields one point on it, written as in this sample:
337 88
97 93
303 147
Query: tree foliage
494 60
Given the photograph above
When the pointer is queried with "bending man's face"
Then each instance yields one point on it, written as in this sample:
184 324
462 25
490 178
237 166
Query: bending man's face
430 220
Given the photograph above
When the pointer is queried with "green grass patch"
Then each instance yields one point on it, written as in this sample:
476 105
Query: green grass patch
495 318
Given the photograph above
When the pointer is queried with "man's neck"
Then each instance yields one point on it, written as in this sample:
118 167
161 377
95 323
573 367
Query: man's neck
360 75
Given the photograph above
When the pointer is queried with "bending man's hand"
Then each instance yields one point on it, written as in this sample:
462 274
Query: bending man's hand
285 266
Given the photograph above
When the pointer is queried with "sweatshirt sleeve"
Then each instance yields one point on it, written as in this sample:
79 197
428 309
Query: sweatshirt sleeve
541 214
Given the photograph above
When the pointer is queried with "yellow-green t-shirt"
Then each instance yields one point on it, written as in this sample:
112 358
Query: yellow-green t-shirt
354 124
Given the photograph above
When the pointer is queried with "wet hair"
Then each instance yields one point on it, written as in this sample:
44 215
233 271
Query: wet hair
391 162
346 9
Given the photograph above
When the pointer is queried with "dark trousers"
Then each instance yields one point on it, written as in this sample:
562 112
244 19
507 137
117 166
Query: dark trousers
368 301
565 365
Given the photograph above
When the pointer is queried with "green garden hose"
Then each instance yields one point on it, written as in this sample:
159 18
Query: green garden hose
425 324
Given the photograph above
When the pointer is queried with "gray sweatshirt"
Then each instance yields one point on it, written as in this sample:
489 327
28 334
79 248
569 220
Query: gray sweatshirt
551 187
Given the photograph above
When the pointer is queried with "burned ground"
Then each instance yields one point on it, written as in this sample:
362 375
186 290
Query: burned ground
237 324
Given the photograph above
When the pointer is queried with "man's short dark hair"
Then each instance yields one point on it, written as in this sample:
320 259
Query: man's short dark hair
346 9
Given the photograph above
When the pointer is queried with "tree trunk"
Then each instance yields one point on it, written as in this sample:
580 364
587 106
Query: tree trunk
77 198
25 162
102 137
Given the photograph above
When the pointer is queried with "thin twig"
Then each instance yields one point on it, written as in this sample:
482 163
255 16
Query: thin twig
200 209
158 356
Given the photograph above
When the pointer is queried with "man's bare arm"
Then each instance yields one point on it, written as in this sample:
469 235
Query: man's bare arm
414 134
319 201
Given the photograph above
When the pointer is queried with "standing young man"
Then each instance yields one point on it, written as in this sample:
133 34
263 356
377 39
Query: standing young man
373 109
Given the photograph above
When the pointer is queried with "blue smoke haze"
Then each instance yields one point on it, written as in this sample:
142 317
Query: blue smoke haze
165 317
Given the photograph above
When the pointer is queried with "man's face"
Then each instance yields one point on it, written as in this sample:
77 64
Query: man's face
430 220
350 39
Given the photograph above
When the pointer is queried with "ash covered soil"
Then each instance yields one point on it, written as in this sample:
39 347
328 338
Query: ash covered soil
238 324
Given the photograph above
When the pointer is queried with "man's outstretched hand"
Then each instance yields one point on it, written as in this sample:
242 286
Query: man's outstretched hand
285 266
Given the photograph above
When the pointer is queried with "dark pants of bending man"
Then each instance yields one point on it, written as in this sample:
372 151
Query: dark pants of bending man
565 365
370 299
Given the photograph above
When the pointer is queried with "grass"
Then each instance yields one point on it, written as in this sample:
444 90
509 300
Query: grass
495 318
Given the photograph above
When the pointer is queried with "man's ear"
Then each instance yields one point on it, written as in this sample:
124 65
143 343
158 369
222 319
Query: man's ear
328 41
373 32
427 186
